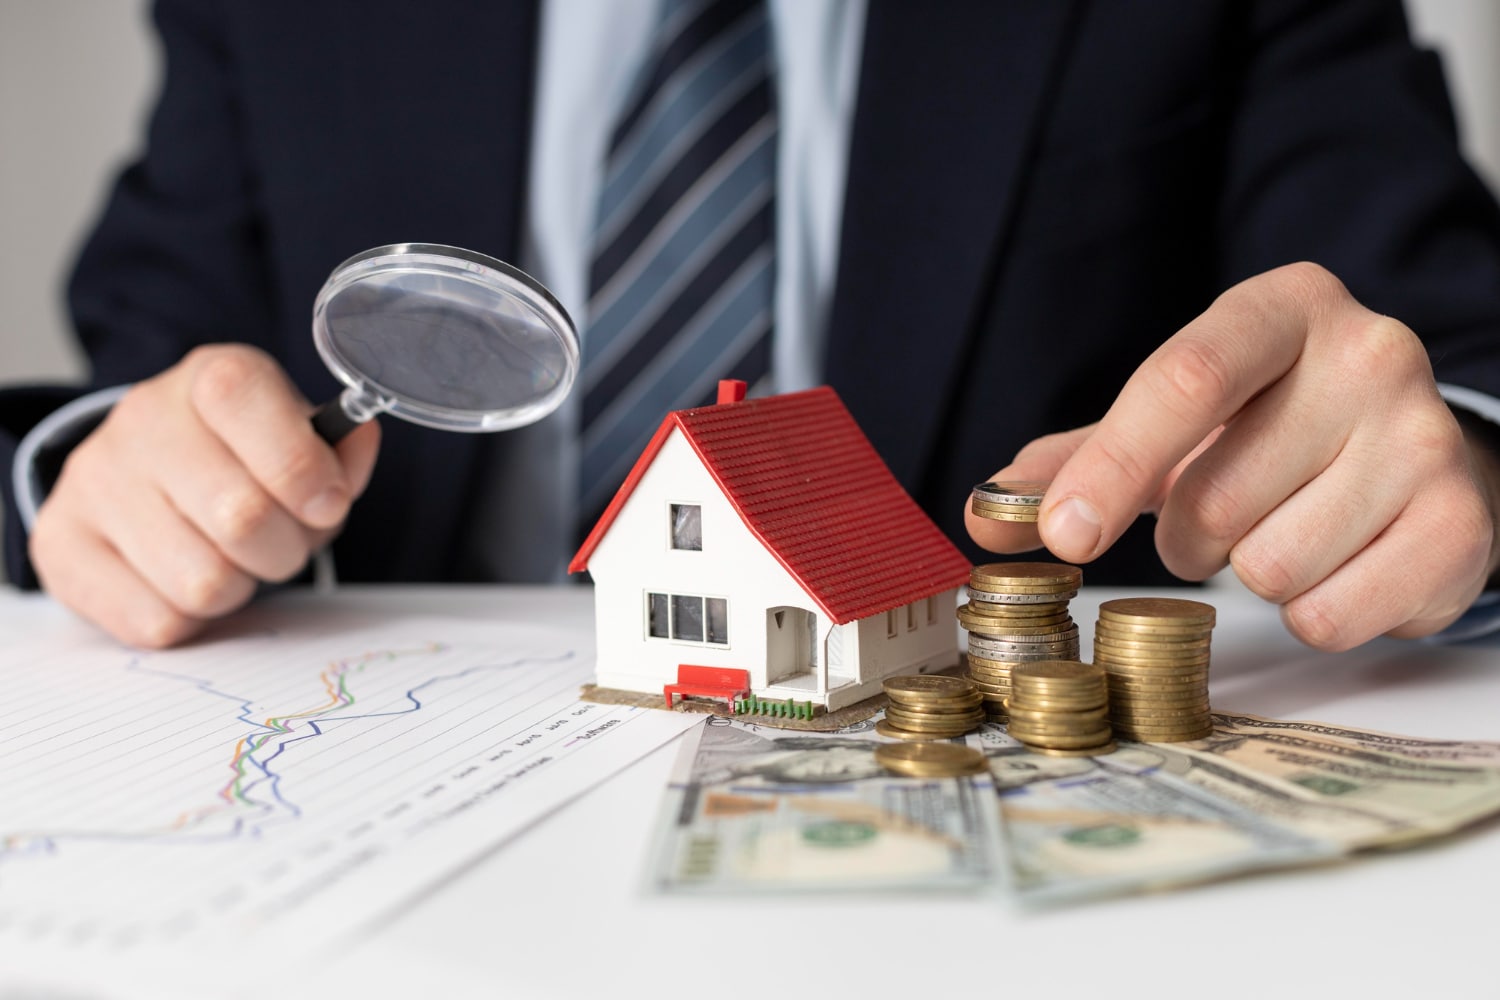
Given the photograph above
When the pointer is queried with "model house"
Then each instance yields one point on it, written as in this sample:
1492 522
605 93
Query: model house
763 544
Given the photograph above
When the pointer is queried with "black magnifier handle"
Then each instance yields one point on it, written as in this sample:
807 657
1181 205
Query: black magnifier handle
332 421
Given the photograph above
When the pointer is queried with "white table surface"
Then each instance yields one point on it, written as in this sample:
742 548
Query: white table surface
562 910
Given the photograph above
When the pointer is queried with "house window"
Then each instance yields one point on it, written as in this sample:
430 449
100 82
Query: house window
716 618
911 617
687 527
688 618
890 624
657 623
932 610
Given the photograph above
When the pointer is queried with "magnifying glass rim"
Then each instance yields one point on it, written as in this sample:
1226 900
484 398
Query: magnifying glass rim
436 415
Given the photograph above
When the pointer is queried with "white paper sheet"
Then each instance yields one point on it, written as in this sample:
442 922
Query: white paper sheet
268 794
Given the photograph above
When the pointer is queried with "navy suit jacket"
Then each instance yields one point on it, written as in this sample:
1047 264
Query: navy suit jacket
1039 193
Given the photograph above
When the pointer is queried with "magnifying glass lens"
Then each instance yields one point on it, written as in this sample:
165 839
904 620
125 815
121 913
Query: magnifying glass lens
444 337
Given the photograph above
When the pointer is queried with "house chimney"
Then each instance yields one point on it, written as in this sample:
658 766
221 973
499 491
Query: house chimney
732 390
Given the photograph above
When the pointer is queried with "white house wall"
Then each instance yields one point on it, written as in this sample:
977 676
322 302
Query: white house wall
635 557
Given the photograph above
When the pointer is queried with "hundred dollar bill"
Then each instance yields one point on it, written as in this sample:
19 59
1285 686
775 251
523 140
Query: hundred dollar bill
1257 794
751 808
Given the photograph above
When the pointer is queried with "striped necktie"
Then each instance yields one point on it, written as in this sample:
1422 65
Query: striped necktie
683 272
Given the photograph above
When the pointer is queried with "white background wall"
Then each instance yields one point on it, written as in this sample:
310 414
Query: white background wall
77 77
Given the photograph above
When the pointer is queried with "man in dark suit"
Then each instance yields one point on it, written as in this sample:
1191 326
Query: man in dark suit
1039 196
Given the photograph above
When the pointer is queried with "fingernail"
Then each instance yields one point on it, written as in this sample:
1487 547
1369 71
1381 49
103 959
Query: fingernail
1073 529
324 509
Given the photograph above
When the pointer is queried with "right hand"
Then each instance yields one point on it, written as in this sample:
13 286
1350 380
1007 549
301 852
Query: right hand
201 482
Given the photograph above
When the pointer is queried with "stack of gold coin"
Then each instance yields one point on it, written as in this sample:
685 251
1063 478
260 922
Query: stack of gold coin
1060 707
1156 651
930 760
1008 501
1017 613
930 707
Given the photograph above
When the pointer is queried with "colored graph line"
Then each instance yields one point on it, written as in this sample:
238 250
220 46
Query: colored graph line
253 790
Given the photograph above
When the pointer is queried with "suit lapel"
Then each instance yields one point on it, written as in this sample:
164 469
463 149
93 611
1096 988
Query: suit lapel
948 100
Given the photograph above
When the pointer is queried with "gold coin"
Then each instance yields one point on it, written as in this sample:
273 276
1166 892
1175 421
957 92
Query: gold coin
1028 689
930 760
1165 691
986 508
939 708
1063 671
1033 610
1144 659
1138 648
1035 704
932 685
1097 751
993 691
1025 574
1157 611
995 515
884 728
1166 673
992 625
1062 742
1175 716
1151 633
1127 644
1053 717
954 725
1121 707
1001 620
1059 722
992 504
948 715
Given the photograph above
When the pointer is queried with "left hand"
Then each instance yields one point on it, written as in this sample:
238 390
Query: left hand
1295 435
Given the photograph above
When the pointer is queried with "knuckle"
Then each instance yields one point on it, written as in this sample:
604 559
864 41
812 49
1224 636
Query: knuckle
240 514
1376 347
1268 574
1213 511
1128 456
223 373
1427 434
1311 624
302 470
1194 375
156 629
1312 282
210 589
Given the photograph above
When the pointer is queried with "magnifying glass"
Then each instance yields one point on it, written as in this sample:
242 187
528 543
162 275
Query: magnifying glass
443 337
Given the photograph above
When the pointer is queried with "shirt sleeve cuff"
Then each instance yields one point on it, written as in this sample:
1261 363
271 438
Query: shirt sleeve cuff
58 432
1483 616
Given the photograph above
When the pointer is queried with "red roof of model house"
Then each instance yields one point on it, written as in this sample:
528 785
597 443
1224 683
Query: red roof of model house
808 483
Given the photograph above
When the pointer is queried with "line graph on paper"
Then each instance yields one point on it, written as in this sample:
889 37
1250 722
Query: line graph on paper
284 779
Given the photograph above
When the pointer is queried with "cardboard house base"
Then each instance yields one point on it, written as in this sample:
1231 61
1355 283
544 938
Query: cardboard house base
762 557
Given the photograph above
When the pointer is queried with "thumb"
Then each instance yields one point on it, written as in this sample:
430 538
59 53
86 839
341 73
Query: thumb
1037 462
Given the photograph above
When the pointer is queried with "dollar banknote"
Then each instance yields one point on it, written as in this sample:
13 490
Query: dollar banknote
751 808
1257 794
760 808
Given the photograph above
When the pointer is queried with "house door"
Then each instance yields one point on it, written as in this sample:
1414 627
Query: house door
791 643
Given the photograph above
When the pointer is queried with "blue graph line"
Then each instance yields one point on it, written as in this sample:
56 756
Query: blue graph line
242 826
